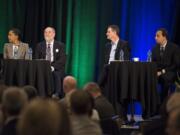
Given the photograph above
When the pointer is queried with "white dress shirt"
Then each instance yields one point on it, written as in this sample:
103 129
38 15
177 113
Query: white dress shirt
15 47
113 50
164 46
51 47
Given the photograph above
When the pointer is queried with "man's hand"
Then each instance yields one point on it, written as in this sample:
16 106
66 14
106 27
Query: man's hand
159 73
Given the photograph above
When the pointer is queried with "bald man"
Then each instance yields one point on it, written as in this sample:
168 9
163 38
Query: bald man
53 51
69 85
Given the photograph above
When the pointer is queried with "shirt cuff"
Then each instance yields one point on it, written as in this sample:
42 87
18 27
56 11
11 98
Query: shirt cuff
163 71
52 68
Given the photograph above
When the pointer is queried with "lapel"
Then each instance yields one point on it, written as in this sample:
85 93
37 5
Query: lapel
43 48
10 50
166 50
109 46
20 50
54 49
158 51
116 56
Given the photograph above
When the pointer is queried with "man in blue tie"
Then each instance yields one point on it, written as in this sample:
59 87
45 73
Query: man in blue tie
54 51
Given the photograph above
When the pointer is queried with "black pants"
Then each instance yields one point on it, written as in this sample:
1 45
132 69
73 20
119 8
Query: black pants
102 80
120 108
58 85
166 80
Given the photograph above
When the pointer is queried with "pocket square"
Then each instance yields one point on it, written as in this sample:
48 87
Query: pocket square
57 50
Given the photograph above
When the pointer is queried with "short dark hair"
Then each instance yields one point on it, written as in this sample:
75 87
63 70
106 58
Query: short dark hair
17 32
92 87
30 91
81 102
164 32
114 28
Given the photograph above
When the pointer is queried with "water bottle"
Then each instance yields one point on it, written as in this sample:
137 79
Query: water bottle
30 53
121 55
149 56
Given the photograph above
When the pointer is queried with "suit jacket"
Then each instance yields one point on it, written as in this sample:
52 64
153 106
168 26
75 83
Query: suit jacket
122 45
170 59
104 107
22 51
59 55
83 125
10 127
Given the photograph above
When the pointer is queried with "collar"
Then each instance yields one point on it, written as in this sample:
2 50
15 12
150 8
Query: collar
115 43
16 44
10 118
51 43
164 45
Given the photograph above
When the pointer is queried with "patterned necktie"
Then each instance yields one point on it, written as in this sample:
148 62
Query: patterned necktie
15 52
161 52
48 52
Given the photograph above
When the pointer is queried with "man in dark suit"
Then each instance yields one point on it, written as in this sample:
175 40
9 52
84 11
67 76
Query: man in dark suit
53 51
166 56
113 48
102 105
112 52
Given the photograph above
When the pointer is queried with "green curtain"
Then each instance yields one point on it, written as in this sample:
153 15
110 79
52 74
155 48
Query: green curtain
12 15
75 22
81 39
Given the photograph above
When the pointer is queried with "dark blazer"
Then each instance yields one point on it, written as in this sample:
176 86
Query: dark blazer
170 60
10 128
104 107
122 45
59 55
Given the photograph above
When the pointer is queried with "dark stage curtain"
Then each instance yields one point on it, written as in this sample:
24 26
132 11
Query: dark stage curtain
81 25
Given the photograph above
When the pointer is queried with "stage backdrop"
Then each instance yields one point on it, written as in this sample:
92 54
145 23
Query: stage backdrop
82 24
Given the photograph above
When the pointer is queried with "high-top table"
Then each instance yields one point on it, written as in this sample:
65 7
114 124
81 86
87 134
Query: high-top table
29 72
133 81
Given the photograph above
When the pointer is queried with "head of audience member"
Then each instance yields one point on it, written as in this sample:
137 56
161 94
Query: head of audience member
173 102
161 36
2 89
173 125
14 36
69 84
49 34
112 33
81 103
30 91
13 101
44 117
93 89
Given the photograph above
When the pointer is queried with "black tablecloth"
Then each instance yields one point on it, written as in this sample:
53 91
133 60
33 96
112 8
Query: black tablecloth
133 81
29 72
